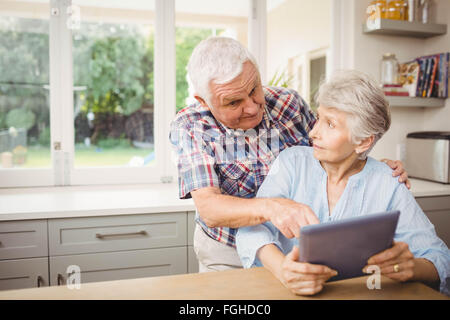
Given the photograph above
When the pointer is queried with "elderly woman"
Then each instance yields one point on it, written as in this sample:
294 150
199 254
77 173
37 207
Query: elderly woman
337 180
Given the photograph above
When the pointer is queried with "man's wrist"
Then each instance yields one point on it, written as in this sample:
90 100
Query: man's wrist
269 206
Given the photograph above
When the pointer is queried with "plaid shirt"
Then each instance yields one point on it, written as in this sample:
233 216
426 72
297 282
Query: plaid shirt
236 161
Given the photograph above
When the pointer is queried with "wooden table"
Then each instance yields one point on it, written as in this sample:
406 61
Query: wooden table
253 284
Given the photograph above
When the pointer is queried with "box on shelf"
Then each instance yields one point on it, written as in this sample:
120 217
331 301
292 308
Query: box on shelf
427 76
408 75
395 90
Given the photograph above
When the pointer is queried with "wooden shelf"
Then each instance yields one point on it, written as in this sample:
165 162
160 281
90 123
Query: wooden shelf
415 102
405 28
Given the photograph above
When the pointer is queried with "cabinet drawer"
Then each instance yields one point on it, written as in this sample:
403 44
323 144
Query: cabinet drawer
116 233
23 239
120 265
23 273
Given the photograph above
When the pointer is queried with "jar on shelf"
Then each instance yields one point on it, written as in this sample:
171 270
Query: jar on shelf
378 9
426 11
389 69
396 10
405 10
412 10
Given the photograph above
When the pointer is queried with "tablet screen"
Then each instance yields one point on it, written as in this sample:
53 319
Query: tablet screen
346 245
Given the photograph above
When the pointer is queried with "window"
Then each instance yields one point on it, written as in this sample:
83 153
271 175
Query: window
197 20
24 90
88 88
113 69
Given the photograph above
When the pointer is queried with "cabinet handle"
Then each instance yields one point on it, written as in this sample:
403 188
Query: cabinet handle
101 236
60 279
40 281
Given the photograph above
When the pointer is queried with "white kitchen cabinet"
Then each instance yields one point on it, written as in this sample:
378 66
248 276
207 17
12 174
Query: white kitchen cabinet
23 254
192 257
24 273
191 227
118 247
108 266
103 248
116 233
23 239
192 260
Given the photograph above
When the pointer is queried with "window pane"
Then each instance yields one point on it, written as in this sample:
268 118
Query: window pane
24 90
113 49
197 20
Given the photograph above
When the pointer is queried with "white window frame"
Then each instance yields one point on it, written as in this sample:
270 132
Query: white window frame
18 177
164 105
63 172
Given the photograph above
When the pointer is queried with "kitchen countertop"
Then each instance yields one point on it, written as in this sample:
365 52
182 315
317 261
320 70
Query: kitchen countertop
82 201
259 283
423 188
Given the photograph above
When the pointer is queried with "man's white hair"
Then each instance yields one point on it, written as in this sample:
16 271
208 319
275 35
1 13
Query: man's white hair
217 59
359 95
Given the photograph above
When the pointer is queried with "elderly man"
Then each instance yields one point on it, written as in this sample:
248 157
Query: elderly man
226 143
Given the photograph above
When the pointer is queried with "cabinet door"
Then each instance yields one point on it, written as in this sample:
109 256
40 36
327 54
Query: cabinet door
191 227
23 273
119 265
192 260
23 239
437 210
116 233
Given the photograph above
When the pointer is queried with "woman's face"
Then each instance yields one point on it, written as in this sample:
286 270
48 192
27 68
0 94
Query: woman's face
331 135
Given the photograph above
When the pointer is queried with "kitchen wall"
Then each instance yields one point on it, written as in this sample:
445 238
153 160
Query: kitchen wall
439 119
295 27
368 50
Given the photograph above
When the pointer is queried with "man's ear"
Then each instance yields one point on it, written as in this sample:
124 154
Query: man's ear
202 101
365 144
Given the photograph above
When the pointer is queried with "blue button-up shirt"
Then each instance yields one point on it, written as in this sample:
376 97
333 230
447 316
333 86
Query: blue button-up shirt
297 175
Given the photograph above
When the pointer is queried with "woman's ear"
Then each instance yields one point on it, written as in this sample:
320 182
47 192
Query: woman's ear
365 144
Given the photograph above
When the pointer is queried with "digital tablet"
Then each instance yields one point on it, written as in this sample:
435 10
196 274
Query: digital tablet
346 245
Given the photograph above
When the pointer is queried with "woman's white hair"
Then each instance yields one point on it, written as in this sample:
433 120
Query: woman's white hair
359 95
217 59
